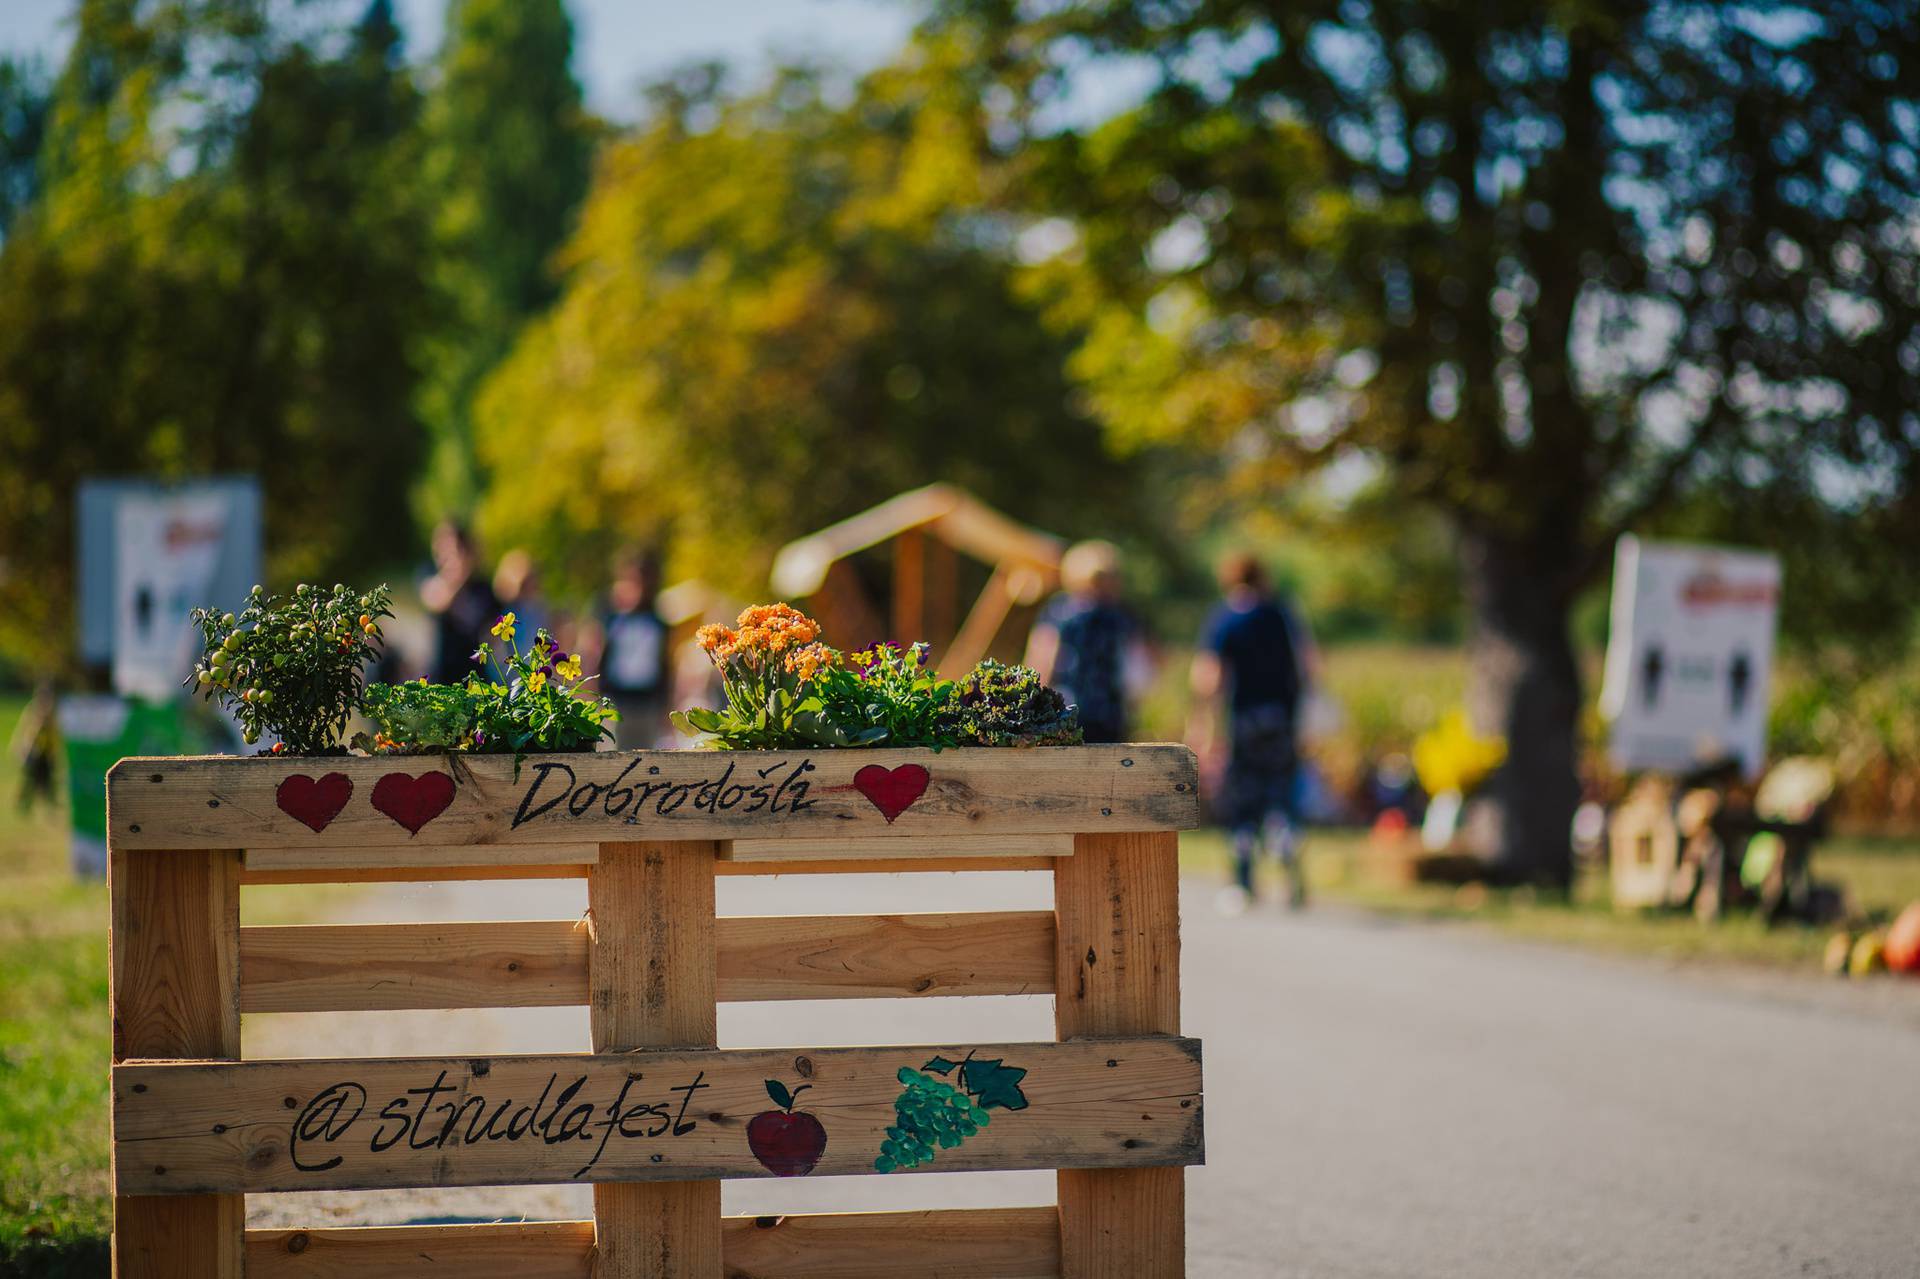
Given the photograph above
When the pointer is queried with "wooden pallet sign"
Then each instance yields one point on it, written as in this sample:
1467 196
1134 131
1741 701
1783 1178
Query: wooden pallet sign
490 800
236 1127
657 1115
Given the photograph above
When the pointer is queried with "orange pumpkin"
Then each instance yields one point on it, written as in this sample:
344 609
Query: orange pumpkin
1903 941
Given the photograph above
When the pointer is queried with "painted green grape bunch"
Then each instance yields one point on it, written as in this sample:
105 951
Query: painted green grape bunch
931 1114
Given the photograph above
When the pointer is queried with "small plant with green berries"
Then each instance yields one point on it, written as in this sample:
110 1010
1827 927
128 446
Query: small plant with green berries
292 666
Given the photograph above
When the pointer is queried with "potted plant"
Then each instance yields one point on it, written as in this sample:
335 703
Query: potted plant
291 667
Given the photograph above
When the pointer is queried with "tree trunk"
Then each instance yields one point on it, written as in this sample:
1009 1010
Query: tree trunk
1524 684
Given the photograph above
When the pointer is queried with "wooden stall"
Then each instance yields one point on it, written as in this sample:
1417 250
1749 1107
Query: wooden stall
656 1115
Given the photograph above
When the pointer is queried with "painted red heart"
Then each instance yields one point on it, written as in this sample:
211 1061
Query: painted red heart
892 791
314 803
413 801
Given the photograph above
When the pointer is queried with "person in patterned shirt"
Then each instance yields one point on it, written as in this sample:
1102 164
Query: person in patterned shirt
1089 645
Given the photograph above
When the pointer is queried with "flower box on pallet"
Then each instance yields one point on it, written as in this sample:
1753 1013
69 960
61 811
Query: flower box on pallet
656 1115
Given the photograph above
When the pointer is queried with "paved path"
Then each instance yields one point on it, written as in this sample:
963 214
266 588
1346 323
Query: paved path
1383 1099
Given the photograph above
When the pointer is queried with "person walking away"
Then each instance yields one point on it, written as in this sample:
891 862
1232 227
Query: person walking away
1251 657
1088 644
461 602
635 667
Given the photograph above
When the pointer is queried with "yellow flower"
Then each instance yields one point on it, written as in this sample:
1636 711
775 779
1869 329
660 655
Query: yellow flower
504 627
536 681
570 669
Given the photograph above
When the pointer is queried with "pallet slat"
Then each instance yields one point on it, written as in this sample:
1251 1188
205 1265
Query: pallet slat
829 866
490 801
966 1243
945 847
398 856
543 963
667 1115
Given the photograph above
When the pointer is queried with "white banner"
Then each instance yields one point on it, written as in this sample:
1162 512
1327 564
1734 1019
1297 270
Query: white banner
1690 655
168 547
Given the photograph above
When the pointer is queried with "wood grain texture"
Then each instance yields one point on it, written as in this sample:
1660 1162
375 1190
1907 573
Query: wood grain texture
382 856
869 956
222 802
1117 903
543 963
898 847
251 876
834 866
883 866
650 985
495 1250
240 1126
174 991
968 1243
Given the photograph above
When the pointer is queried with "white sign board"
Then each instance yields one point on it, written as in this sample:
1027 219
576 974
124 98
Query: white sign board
1690 655
167 548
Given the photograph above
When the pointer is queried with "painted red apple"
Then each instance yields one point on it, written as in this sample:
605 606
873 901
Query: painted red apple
787 1142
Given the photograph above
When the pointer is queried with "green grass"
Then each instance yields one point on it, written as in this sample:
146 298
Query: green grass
54 1208
1880 876
54 1045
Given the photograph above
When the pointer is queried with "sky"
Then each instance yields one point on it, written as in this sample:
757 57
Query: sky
617 43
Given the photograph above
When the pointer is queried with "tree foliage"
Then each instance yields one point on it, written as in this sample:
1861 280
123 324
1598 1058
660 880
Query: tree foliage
779 310
1548 268
506 161
234 293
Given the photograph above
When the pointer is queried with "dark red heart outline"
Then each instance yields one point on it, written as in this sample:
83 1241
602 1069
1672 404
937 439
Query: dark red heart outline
411 801
314 804
892 791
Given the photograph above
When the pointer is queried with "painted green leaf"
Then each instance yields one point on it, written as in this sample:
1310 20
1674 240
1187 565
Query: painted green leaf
993 1084
939 1066
778 1091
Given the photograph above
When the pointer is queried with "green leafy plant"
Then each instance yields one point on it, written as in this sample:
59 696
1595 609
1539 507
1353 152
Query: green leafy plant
1003 705
931 1114
535 699
884 695
291 667
416 718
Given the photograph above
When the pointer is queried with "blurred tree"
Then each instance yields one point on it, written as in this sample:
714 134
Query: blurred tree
235 295
779 311
25 99
1551 267
507 157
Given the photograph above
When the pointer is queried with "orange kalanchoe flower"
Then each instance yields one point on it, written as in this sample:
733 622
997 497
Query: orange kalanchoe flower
716 639
810 661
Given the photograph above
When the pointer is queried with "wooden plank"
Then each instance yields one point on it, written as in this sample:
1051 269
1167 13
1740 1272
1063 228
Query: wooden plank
650 980
356 967
495 1250
883 866
489 800
963 1243
383 856
966 1243
831 866
866 956
411 874
543 963
174 969
906 847
1117 902
681 1115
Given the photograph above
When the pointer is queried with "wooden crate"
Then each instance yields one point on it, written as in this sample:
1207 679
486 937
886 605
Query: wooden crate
656 1115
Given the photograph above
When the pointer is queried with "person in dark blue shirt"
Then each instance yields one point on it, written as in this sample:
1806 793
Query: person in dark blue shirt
1088 644
1251 657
